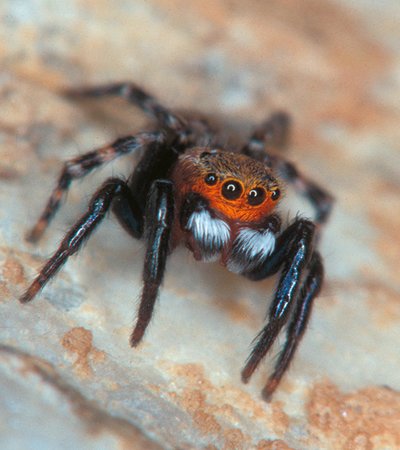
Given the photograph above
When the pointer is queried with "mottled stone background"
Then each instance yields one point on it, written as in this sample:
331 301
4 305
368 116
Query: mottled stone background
68 378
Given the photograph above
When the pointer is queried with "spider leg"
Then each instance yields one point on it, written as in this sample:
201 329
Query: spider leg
77 235
298 324
293 255
271 134
321 200
135 95
159 217
262 145
80 166
129 214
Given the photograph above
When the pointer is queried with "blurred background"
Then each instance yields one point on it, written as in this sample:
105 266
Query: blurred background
68 378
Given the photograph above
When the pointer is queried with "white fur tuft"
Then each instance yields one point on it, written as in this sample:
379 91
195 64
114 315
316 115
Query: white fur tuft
252 248
211 233
256 244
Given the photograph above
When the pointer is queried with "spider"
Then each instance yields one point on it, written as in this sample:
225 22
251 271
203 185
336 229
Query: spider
191 188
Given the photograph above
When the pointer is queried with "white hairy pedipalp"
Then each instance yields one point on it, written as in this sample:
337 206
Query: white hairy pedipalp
210 233
251 248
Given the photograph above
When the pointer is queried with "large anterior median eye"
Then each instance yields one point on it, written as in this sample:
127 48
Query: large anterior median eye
232 190
256 196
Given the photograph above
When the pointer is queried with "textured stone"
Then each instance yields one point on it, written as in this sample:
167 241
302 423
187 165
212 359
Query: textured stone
68 378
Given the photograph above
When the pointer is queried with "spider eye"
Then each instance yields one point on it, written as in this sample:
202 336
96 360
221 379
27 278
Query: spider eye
209 153
275 194
232 190
211 179
256 196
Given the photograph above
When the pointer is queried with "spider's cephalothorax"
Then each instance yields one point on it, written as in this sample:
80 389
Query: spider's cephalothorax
240 193
220 202
237 187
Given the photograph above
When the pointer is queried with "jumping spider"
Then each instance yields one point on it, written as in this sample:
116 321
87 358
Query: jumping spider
189 188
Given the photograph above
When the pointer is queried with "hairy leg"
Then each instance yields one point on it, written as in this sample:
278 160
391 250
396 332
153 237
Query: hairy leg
320 199
159 217
135 95
82 165
78 234
293 259
273 134
262 145
309 290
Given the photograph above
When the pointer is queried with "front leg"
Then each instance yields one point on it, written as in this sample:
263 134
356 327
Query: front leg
80 232
292 254
158 223
301 315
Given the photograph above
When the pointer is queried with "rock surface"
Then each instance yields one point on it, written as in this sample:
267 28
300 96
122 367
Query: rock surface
68 378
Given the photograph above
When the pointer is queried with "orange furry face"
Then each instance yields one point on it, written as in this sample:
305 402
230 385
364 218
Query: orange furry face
236 186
